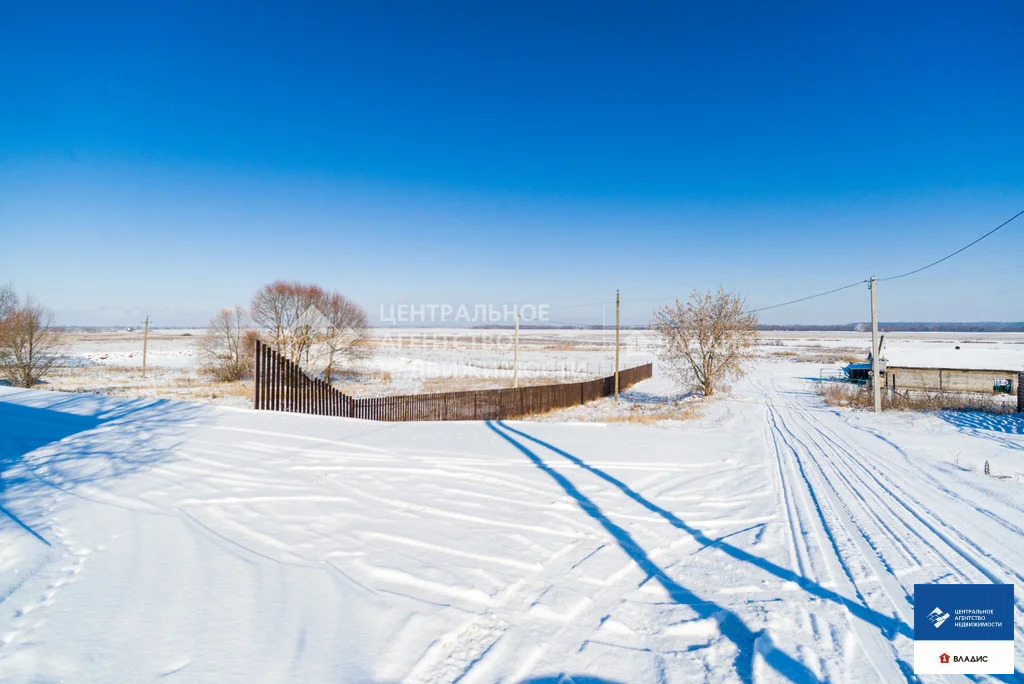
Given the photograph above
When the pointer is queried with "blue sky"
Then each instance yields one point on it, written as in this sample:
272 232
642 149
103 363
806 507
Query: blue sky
171 158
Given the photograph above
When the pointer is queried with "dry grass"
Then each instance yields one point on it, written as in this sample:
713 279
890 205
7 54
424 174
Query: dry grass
236 388
829 357
162 383
816 354
605 410
462 384
856 396
364 377
642 415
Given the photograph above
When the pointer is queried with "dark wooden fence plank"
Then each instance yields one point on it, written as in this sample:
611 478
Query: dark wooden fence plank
282 385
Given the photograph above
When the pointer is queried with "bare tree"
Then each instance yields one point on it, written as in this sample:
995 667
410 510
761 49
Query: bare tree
30 345
707 340
283 310
305 331
8 301
344 333
310 325
222 348
271 311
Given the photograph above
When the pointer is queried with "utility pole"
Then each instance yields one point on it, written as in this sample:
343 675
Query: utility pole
515 354
876 382
616 346
145 343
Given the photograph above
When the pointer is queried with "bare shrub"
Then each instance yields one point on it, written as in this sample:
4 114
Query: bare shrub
707 340
249 338
30 345
859 396
222 348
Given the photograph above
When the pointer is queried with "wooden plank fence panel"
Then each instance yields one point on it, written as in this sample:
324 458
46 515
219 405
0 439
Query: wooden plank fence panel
282 385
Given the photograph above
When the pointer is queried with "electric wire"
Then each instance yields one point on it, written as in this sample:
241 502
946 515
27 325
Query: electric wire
836 289
953 254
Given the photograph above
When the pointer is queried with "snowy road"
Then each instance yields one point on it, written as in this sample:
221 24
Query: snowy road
772 540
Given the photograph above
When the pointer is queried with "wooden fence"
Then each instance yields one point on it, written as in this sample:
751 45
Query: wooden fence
282 385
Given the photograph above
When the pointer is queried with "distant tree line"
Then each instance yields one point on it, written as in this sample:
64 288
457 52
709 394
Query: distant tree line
885 326
899 326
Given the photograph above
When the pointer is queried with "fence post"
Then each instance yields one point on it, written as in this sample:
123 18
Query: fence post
1020 392
266 383
292 403
256 378
278 383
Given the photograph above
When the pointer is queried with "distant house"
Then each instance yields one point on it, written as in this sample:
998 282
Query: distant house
981 380
939 370
978 380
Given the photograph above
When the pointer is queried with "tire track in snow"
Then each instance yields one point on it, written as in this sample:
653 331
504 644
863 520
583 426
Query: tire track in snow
878 650
875 480
890 496
839 503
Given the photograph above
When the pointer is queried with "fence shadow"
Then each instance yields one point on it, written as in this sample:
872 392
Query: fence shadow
1008 423
887 623
731 625
651 398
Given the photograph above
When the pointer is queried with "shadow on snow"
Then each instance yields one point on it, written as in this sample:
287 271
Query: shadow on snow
1009 423
731 625
52 441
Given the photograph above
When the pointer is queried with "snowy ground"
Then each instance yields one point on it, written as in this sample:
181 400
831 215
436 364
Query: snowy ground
769 539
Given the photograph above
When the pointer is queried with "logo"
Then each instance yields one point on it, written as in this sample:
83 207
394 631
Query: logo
937 617
963 629
946 659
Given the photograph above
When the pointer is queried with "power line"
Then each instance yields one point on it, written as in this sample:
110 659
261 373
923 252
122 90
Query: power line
804 299
953 254
901 275
819 294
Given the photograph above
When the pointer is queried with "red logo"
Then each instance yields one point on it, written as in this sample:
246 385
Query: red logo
944 658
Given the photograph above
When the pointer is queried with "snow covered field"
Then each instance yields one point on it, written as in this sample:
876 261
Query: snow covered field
770 539
403 361
410 361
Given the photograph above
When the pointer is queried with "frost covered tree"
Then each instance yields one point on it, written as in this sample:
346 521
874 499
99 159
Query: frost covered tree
225 349
706 340
30 345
